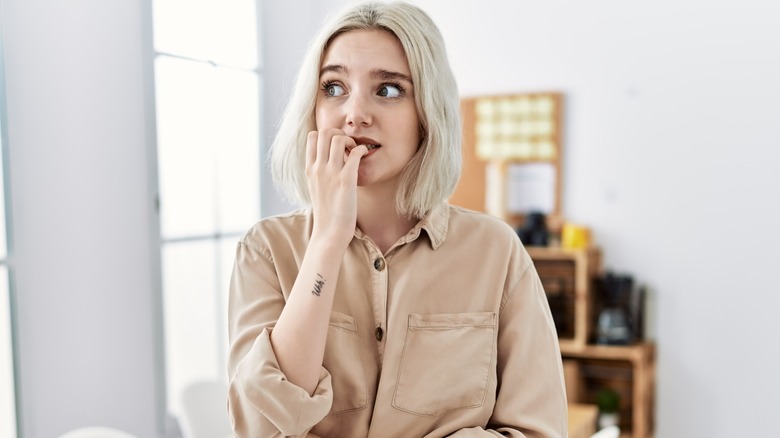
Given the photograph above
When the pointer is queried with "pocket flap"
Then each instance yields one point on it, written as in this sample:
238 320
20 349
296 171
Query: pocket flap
343 321
452 320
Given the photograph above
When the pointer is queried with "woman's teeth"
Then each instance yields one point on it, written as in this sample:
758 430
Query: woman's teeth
371 146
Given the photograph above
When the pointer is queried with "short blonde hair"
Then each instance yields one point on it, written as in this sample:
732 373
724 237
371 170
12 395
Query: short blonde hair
432 174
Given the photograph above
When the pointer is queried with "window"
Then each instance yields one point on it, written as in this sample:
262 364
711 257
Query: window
7 381
207 94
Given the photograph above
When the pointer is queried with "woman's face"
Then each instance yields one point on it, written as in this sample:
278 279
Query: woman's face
366 91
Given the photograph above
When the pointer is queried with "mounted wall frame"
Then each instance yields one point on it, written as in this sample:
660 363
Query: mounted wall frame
512 154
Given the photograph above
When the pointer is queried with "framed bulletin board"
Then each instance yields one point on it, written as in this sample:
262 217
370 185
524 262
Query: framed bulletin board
512 154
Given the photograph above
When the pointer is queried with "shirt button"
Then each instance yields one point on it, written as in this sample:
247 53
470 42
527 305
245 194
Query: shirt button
379 334
379 264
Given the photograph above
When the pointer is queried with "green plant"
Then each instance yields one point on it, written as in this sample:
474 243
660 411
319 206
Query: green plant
607 400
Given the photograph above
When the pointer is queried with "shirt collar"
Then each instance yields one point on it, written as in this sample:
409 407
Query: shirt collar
435 224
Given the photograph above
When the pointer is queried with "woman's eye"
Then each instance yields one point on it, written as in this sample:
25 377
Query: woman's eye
389 90
334 90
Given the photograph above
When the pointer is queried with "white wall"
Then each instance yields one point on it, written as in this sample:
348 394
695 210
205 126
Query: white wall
672 144
287 32
80 214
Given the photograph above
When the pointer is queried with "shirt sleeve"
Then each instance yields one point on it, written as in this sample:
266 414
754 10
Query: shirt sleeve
531 399
261 401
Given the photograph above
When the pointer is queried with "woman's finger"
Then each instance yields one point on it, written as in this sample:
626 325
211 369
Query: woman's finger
339 144
353 160
324 144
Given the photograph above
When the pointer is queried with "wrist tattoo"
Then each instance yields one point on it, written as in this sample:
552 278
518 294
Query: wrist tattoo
318 283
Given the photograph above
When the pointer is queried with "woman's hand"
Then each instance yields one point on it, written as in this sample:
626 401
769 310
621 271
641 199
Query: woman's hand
332 161
299 336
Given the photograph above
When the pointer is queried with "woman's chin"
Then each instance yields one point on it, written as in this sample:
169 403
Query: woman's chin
364 178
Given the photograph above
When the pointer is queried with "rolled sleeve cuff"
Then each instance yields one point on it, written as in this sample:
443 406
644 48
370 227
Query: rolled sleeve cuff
287 406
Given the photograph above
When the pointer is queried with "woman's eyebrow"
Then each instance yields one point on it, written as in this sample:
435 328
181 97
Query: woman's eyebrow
390 75
336 68
376 73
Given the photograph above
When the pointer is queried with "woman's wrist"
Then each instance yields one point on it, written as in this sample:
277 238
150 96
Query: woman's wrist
330 245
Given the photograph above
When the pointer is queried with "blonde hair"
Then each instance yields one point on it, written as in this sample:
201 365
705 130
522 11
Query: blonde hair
432 174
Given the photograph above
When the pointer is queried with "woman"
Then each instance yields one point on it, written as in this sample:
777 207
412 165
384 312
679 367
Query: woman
379 310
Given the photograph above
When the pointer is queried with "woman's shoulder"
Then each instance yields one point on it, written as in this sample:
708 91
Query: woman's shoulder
461 218
474 229
283 229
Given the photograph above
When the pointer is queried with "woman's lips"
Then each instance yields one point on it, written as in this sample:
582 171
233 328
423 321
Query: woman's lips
371 150
369 143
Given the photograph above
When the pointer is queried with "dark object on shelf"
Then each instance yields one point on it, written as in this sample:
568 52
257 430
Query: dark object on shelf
620 317
560 296
534 231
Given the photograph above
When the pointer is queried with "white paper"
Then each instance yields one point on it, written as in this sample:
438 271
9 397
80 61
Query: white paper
531 187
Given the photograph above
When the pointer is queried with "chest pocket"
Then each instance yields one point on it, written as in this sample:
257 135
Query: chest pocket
446 362
343 362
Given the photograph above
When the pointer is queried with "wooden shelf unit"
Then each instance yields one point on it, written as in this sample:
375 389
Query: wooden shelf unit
630 371
568 276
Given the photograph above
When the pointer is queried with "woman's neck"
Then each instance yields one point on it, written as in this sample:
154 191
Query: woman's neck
378 219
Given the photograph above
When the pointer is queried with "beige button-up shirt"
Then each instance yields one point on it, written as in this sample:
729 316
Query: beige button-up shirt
446 334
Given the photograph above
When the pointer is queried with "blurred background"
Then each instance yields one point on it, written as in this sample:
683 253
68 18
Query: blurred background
134 136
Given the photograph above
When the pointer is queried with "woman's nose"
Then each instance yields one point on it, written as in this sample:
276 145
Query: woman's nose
358 111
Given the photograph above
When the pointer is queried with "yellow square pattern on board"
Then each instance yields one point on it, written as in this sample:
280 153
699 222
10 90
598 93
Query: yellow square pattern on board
520 127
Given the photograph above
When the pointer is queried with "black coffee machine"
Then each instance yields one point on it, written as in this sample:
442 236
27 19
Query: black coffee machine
619 310
534 231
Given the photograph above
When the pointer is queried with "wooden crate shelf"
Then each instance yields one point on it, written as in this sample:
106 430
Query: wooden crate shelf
567 276
628 370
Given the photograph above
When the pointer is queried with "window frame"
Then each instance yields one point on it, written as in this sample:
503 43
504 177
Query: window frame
166 423
7 261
